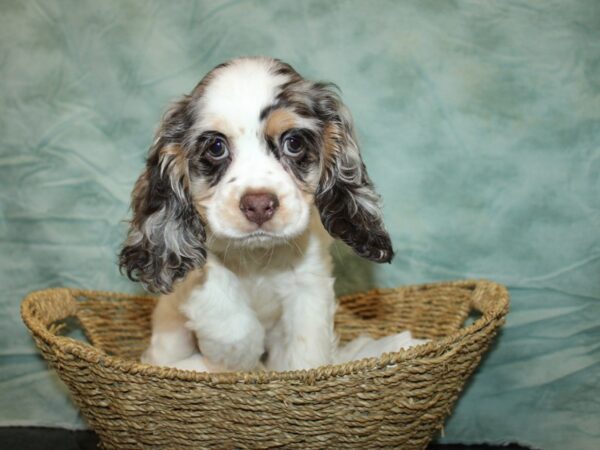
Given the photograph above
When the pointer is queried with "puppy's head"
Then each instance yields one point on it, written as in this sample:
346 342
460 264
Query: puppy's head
243 158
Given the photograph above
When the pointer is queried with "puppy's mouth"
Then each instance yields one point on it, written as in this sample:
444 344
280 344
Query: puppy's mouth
258 238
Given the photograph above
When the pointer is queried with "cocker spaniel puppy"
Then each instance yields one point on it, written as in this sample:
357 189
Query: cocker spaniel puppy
247 180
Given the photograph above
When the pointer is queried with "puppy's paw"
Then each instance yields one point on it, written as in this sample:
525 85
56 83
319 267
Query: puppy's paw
164 352
197 363
146 357
239 350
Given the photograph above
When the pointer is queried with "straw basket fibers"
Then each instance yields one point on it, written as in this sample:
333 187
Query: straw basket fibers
399 400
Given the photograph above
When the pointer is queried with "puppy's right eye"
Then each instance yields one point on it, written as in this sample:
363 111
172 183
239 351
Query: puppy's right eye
217 149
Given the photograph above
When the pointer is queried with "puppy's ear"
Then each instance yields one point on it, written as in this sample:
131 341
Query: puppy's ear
166 235
350 208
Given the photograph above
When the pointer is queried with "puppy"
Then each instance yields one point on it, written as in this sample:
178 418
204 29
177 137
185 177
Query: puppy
247 181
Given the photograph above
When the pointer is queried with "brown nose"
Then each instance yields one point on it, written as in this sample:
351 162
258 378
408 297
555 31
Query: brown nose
259 207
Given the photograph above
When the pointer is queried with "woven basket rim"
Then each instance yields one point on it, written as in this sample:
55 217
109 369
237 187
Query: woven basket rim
482 289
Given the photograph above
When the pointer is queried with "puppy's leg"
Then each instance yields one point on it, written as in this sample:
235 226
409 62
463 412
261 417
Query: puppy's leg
367 347
304 337
171 341
228 331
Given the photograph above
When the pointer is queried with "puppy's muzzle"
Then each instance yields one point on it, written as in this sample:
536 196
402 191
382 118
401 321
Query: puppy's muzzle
259 207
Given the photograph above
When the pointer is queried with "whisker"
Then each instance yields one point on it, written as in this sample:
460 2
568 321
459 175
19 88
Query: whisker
298 247
271 255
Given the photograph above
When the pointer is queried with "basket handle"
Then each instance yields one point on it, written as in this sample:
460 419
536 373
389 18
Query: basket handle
40 309
490 299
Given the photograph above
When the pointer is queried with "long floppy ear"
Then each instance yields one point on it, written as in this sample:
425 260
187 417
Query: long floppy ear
166 235
350 208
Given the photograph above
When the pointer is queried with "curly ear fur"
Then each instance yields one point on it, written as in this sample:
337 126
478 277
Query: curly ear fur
350 208
166 235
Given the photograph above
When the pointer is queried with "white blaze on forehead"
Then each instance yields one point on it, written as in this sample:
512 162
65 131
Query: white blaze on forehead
239 92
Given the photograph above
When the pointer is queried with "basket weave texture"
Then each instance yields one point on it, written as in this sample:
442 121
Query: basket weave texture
399 400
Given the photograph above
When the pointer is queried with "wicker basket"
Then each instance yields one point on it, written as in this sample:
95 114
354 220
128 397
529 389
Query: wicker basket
397 401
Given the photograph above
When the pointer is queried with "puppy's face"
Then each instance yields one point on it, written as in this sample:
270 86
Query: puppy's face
242 159
256 165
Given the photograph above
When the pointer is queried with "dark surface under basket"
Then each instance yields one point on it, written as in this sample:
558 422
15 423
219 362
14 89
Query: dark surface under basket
35 438
398 401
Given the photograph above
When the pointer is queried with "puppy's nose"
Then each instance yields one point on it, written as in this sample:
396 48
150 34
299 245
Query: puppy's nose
259 207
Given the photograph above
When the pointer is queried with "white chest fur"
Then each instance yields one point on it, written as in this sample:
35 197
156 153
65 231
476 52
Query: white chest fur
272 277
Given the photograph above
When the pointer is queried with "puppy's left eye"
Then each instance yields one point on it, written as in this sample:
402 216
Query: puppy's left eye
293 146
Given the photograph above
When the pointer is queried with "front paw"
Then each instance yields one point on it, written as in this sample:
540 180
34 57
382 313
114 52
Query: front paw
239 350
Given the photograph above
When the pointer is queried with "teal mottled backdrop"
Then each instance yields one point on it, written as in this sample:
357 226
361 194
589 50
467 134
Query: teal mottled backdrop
480 124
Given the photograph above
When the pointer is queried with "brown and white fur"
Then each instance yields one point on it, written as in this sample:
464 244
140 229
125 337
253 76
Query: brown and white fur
247 181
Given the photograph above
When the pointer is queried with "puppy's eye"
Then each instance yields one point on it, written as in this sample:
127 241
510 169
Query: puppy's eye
217 149
293 146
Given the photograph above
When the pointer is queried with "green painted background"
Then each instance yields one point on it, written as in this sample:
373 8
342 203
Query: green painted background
479 121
